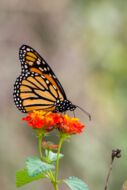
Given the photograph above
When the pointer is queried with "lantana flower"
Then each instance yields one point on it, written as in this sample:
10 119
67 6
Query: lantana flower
70 125
49 121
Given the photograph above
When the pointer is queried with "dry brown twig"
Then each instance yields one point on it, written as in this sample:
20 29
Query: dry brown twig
115 154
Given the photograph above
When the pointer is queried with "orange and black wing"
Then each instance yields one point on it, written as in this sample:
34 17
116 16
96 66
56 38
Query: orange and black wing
31 61
33 91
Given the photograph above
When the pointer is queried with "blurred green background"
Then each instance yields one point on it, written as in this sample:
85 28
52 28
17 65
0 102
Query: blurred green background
85 42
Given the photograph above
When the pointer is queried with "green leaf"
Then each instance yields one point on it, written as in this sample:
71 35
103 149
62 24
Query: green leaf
76 184
35 166
22 177
52 156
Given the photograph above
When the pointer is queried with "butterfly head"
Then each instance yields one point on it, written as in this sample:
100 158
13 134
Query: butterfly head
72 107
64 105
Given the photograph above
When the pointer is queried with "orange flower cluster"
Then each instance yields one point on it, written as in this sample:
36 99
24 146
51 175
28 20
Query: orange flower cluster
70 125
49 121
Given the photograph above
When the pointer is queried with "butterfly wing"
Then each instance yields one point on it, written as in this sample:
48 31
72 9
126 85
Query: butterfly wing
33 91
33 62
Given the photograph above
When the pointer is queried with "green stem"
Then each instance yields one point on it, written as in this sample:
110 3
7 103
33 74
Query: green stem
40 137
57 163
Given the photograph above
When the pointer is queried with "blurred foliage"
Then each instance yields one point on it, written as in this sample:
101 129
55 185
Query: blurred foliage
85 42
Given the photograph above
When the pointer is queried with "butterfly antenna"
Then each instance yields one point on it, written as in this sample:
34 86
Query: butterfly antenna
88 114
74 113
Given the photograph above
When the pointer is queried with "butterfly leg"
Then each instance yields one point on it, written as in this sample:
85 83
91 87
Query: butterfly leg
74 113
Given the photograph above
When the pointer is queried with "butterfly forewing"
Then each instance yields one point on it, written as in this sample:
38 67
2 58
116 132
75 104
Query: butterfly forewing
31 61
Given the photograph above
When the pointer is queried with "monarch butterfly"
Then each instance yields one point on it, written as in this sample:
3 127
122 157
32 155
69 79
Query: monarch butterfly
37 87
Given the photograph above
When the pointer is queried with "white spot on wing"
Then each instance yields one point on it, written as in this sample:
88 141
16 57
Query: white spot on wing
23 47
47 81
48 68
40 68
38 62
54 76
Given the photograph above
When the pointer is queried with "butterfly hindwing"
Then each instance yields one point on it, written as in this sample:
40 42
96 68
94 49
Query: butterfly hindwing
35 92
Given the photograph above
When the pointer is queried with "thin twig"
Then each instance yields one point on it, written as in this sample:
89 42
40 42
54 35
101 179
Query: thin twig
115 154
109 173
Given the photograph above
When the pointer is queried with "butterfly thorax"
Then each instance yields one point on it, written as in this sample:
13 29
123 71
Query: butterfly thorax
64 105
